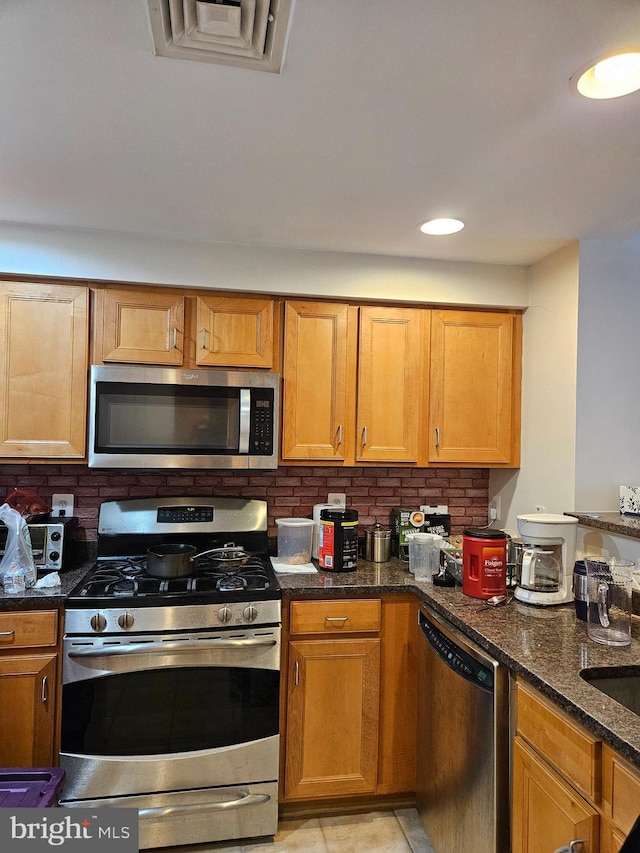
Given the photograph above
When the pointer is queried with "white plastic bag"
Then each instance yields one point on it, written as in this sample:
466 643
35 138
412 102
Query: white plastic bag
17 569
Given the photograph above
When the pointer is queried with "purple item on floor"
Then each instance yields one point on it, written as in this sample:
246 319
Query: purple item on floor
34 787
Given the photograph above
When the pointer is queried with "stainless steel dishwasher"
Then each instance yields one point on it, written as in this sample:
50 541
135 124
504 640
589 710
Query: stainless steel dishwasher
463 742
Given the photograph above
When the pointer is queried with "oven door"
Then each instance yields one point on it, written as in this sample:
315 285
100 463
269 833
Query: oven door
171 716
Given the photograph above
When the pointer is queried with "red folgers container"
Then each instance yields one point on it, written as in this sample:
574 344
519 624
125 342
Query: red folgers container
484 562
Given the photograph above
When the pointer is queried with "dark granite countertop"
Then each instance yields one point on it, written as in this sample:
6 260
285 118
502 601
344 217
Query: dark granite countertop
612 522
47 597
547 646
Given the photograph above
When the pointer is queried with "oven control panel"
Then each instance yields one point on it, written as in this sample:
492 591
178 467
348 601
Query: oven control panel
115 620
182 514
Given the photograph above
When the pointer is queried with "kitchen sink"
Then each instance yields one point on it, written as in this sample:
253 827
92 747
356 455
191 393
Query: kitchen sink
621 683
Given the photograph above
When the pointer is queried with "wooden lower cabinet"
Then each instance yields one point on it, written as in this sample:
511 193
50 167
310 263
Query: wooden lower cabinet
28 688
332 720
349 698
547 812
567 784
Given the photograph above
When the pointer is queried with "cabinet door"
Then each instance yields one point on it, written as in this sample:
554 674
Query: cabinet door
398 695
139 326
27 710
332 718
319 381
234 332
391 360
44 339
547 812
474 387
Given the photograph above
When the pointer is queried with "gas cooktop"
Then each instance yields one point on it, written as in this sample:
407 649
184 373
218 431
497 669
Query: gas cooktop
127 528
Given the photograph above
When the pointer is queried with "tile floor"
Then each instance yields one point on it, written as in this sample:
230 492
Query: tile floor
397 831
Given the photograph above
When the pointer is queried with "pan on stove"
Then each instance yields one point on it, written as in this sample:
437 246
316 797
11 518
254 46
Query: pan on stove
177 560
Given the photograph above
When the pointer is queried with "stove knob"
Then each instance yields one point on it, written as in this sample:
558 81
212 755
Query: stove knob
249 614
98 622
125 621
224 614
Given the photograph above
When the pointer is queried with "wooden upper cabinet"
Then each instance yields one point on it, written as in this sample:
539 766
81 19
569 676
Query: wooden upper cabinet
474 388
44 338
149 325
390 383
140 327
319 378
333 411
234 332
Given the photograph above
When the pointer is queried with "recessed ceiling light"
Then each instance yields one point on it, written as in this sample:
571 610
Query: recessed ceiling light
439 227
609 77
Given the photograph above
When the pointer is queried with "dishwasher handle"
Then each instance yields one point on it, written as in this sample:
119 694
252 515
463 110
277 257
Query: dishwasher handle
456 658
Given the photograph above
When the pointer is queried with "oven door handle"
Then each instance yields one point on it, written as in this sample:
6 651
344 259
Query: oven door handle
161 648
173 811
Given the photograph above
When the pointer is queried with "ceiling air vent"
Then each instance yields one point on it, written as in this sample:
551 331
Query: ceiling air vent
246 33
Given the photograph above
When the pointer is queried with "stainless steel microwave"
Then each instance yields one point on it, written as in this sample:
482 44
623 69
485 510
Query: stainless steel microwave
156 417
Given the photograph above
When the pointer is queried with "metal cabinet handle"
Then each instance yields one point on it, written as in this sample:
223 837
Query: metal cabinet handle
204 339
572 847
296 674
339 434
43 694
364 436
335 618
437 436
8 634
175 338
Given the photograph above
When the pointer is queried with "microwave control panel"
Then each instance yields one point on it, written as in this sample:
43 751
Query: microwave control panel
262 420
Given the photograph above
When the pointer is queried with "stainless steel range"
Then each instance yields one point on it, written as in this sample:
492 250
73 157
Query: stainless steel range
171 684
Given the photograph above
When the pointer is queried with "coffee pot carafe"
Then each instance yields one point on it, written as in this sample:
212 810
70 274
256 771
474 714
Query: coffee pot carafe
545 558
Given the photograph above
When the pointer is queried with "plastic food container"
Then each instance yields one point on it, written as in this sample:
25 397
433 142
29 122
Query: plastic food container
295 536
338 542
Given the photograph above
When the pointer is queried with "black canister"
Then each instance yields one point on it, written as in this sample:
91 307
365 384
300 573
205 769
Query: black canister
338 540
580 589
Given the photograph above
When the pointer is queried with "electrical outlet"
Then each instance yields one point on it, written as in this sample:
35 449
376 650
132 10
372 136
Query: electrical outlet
495 508
338 499
62 506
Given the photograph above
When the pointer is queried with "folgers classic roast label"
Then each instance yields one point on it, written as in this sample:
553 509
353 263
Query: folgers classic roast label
494 560
484 562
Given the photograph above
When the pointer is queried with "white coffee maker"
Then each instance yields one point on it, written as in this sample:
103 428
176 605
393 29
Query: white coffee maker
546 558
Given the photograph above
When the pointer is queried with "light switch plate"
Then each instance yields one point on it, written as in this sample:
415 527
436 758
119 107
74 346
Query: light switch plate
61 506
338 499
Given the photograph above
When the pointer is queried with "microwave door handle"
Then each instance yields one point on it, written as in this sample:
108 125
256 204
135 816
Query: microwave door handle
245 420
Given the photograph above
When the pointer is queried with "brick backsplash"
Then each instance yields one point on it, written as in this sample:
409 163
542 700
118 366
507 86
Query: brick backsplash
289 491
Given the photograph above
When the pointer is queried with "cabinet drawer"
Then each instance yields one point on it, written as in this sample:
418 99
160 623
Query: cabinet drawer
620 790
335 617
27 630
568 747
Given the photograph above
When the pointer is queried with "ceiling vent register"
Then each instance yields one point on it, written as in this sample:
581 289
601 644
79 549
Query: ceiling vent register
244 33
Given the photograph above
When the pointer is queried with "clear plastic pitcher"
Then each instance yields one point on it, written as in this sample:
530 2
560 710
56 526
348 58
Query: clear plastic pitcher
421 551
609 583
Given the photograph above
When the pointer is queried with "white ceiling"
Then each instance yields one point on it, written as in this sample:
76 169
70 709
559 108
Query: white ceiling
386 112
